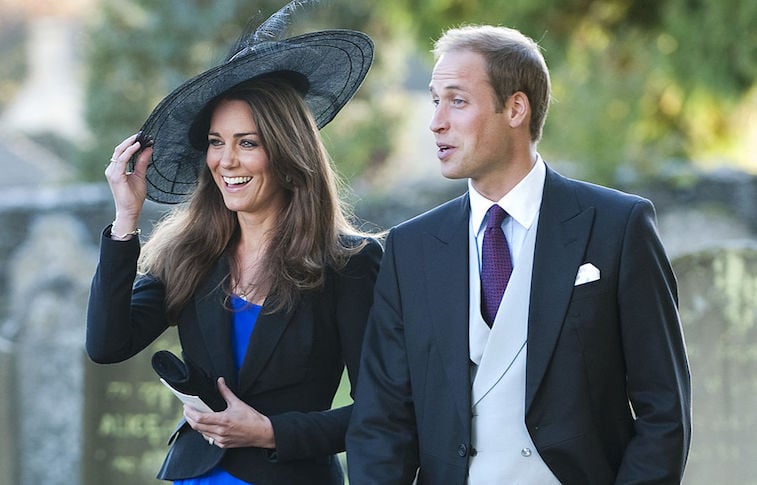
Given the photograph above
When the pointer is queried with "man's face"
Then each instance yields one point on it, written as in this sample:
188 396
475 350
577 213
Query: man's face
473 139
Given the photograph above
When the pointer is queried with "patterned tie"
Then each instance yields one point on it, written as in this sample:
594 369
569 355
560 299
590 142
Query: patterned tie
496 265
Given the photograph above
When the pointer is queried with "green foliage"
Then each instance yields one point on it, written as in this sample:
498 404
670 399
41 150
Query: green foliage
713 44
357 139
13 67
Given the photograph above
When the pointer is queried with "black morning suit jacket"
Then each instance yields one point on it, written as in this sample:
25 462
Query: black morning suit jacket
591 349
290 373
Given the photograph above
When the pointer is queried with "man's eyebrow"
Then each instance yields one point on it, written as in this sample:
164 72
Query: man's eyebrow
451 87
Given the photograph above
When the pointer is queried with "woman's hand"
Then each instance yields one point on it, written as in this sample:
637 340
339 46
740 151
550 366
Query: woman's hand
129 188
237 426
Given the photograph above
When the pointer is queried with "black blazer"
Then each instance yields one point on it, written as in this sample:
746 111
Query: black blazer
290 373
592 349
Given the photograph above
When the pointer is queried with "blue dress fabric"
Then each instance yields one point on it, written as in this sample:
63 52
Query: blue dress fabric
245 316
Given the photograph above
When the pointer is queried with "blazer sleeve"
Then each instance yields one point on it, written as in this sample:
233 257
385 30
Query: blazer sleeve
382 444
123 316
658 380
301 435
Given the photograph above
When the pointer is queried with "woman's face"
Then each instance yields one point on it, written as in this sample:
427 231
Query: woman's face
239 163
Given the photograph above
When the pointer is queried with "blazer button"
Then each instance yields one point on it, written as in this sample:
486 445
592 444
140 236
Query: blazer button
526 452
462 450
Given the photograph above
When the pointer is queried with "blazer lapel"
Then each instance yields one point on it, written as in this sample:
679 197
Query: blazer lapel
268 330
445 253
561 240
213 320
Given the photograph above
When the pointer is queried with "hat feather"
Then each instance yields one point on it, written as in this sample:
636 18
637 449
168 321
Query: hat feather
274 28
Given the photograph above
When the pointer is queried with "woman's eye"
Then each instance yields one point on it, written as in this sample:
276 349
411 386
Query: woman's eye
214 142
249 143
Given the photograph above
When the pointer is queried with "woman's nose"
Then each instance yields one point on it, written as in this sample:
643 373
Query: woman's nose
228 158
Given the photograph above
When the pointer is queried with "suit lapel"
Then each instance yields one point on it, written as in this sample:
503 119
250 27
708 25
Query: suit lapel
445 253
561 239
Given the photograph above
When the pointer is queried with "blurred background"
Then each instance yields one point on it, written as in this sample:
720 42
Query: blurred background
658 97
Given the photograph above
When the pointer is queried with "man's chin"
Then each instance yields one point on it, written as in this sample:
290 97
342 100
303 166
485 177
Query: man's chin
453 174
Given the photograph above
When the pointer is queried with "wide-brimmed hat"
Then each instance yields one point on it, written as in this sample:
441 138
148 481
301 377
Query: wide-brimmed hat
332 63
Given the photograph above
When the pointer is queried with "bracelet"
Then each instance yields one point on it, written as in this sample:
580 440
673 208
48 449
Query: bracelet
122 237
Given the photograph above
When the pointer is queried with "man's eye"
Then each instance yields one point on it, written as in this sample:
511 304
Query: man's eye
458 102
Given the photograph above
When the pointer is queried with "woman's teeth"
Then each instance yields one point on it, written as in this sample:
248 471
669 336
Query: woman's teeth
236 180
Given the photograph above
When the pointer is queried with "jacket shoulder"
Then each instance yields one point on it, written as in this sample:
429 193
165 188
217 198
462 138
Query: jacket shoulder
439 215
589 194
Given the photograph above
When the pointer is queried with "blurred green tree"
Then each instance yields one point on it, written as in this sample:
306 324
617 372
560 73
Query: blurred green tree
13 69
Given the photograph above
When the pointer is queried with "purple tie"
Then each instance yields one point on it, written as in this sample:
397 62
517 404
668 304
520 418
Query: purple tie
496 266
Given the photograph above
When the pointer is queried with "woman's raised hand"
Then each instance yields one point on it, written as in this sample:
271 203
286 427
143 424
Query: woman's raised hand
129 188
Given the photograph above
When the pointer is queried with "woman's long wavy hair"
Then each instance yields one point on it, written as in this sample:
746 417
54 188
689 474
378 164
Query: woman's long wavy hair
186 244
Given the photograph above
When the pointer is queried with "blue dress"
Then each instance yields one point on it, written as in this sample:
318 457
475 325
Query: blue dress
245 316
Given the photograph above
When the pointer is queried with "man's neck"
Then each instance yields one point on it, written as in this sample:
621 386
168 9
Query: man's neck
497 185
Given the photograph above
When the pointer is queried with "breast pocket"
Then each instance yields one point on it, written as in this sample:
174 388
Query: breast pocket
592 316
588 290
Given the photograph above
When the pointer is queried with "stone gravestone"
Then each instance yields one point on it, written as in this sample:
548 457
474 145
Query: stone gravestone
718 301
129 416
47 301
8 411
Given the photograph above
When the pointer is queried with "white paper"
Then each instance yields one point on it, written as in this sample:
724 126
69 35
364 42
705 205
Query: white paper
192 401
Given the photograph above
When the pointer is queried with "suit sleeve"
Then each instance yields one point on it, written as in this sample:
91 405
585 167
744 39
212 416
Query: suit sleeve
658 380
307 435
123 316
382 444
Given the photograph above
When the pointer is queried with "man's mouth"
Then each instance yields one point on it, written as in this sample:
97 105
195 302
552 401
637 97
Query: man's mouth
443 149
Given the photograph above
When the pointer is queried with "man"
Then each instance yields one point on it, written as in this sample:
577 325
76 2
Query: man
575 372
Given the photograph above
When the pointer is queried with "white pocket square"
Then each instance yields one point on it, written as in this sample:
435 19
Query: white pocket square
587 273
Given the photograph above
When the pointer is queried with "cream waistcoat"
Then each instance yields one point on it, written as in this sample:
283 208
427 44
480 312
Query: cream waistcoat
505 453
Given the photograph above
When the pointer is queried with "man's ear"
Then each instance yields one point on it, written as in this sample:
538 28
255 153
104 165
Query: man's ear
518 109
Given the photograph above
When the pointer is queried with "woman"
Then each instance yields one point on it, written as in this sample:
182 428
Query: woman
267 282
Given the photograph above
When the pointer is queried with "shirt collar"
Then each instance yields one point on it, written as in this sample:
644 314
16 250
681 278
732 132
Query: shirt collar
522 203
